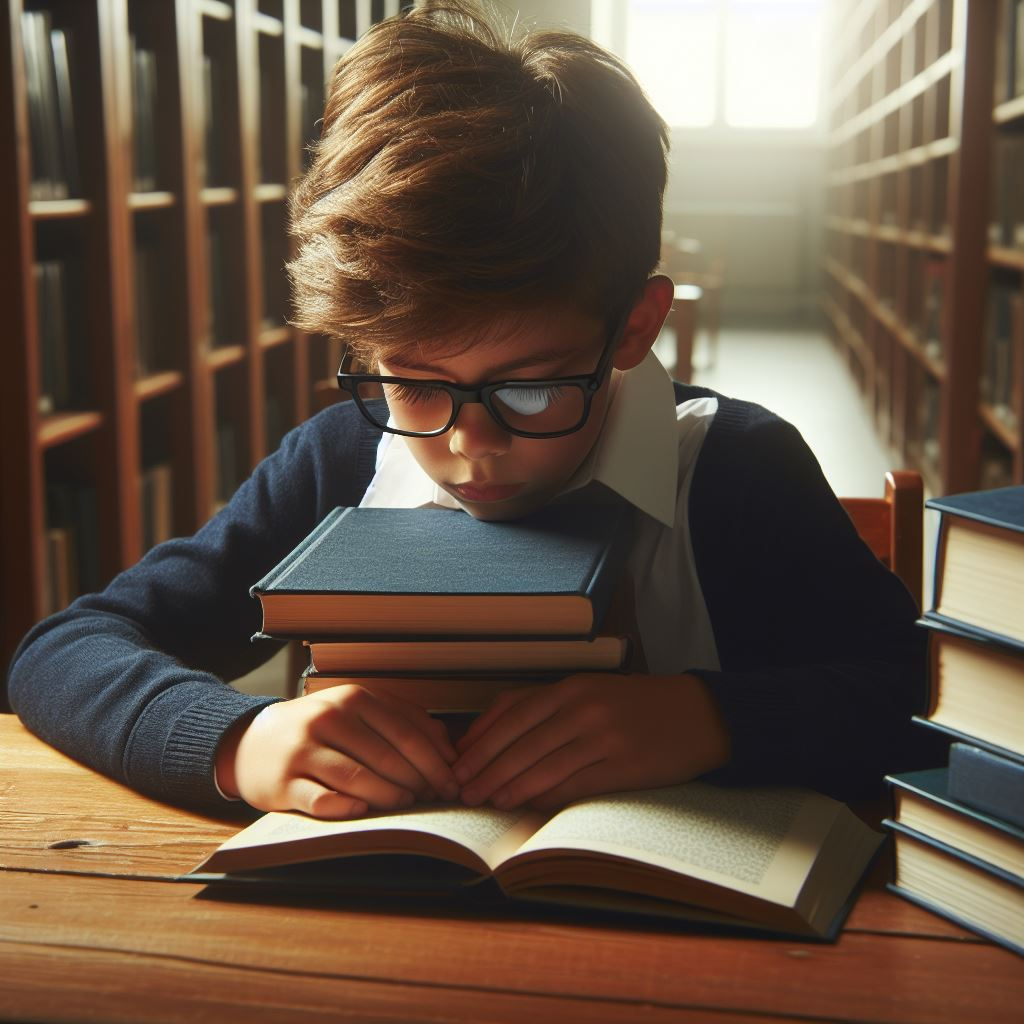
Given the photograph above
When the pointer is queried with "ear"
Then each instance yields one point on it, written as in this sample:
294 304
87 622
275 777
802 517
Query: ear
644 324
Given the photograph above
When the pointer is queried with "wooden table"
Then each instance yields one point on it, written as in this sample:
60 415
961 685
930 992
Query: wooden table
93 927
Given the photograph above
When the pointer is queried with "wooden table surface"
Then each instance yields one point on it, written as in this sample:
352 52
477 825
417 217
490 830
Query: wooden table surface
93 927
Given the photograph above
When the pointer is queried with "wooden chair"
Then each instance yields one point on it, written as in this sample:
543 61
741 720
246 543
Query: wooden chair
893 526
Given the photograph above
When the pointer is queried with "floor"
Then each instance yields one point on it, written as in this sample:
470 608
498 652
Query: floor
798 375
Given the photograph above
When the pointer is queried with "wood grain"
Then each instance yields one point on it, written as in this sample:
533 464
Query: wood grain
79 944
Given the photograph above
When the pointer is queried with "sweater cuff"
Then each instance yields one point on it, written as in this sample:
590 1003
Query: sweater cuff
172 751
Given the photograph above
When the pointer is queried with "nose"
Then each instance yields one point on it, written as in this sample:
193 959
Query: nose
477 435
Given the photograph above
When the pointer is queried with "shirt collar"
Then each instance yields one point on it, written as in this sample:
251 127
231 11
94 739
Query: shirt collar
636 454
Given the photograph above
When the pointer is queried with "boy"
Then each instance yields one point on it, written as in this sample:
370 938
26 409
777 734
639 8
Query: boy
483 211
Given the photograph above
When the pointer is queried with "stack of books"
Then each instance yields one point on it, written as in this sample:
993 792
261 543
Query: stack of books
959 830
446 611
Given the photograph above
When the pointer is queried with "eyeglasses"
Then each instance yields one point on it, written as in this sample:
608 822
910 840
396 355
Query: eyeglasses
527 408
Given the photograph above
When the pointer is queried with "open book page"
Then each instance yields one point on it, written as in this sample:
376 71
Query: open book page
279 837
758 841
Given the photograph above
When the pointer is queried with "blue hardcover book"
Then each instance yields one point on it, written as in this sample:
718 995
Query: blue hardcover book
922 801
979 561
986 781
436 572
975 686
958 886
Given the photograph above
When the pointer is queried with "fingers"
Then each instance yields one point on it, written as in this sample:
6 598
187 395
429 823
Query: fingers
511 717
318 801
393 744
505 700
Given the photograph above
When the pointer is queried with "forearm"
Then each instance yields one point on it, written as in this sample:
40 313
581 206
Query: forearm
90 684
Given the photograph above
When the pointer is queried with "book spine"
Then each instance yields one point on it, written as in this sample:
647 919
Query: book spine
987 782
295 557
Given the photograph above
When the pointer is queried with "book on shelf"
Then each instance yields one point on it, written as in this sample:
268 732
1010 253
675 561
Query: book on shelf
213 160
1006 221
976 685
979 561
408 573
998 368
53 152
219 323
603 653
955 861
987 781
1018 48
63 371
150 322
73 507
784 860
61 580
144 113
156 495
931 324
228 476
60 47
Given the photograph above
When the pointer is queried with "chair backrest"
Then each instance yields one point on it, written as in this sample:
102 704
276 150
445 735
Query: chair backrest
893 526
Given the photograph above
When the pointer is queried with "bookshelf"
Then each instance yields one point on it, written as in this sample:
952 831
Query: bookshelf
149 151
925 230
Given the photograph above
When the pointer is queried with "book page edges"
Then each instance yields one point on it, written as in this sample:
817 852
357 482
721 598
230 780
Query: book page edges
427 614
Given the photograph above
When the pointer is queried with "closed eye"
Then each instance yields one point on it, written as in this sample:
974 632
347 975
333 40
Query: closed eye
529 401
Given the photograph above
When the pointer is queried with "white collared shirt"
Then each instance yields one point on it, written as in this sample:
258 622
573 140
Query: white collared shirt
646 454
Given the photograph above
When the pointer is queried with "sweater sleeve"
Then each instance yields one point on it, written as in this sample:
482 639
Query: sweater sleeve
132 680
821 664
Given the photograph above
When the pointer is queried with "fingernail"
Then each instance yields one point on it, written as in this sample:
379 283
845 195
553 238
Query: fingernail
500 800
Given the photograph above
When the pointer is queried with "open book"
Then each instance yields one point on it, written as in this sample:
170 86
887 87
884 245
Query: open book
780 859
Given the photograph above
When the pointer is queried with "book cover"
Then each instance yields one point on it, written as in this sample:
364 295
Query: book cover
979 561
964 889
434 572
975 683
780 859
989 783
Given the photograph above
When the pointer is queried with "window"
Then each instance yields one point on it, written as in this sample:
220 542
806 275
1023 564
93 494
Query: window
731 63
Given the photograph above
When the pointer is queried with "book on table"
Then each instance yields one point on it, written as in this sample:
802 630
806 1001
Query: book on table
781 859
979 561
956 861
987 781
501 654
976 686
366 572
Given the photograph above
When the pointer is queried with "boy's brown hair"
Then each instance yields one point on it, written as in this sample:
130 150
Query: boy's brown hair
463 174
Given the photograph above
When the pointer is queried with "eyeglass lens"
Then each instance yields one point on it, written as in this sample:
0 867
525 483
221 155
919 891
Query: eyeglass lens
422 408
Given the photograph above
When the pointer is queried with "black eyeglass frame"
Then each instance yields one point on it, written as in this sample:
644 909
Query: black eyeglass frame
464 394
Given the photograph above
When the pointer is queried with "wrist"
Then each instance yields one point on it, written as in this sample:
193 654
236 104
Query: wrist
224 767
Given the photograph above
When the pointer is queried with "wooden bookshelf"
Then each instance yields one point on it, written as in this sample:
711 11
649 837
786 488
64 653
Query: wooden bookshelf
925 233
149 363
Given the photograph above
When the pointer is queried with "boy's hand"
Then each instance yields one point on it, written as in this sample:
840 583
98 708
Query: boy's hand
336 754
587 734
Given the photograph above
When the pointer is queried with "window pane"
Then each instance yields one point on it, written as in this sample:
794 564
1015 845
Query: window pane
773 63
672 47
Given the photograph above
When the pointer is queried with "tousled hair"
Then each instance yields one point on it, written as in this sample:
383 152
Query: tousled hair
464 173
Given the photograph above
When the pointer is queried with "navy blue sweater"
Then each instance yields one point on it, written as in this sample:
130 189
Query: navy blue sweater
821 665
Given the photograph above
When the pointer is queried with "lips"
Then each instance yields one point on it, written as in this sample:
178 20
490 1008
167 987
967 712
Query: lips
485 492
